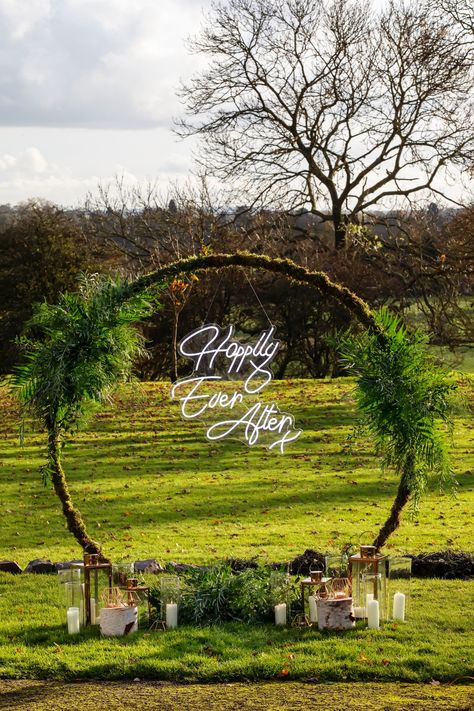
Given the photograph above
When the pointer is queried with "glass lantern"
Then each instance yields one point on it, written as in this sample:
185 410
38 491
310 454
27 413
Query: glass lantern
336 566
399 587
374 588
279 595
71 584
170 593
368 562
97 580
121 572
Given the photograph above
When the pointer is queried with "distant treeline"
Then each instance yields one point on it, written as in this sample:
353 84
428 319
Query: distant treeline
420 264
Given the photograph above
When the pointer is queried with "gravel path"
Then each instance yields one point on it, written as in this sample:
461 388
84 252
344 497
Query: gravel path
137 695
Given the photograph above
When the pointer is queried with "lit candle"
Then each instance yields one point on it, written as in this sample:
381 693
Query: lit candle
399 606
73 620
280 614
373 615
359 612
171 615
313 610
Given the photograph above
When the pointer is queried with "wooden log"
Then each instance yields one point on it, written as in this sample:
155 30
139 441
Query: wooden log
335 614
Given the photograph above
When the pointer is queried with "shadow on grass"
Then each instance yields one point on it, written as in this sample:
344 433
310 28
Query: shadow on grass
237 499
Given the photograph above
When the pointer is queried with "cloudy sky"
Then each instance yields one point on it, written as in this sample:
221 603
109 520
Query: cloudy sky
87 91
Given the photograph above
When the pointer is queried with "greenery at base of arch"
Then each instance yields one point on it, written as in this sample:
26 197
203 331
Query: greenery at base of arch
81 348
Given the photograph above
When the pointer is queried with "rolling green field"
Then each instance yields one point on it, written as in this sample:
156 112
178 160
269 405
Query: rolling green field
150 485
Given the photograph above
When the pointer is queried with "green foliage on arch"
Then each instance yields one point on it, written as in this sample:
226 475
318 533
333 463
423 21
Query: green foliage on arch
402 397
79 349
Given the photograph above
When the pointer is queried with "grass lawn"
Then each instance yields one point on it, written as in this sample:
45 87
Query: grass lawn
149 484
435 643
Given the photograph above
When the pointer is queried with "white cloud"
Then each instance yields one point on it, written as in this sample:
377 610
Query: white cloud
29 173
21 17
93 63
28 162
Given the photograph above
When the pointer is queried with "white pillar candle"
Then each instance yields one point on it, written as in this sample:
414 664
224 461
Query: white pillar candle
359 612
280 614
399 606
313 611
171 615
73 620
93 611
368 598
373 615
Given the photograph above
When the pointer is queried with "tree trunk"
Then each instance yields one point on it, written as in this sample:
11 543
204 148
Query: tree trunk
73 516
339 227
339 237
174 347
393 521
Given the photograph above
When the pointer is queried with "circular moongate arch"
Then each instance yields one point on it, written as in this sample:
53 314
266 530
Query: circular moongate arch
80 337
286 267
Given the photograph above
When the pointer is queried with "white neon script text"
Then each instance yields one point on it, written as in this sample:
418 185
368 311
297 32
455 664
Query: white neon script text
238 357
259 418
211 348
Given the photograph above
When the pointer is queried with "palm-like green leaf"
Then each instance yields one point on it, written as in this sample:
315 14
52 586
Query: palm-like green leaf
402 397
79 349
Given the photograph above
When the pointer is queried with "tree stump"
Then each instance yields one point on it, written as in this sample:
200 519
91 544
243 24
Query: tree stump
335 614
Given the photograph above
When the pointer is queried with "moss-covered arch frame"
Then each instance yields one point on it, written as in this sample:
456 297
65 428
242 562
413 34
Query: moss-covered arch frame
81 337
211 262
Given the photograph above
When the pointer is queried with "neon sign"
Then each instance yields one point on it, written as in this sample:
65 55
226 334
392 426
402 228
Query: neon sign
218 357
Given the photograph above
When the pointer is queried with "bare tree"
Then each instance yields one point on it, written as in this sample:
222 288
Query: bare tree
461 12
333 106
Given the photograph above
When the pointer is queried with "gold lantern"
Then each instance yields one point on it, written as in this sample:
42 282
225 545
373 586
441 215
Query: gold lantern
364 564
97 578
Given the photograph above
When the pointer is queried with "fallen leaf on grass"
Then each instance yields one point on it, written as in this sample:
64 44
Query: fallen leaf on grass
283 672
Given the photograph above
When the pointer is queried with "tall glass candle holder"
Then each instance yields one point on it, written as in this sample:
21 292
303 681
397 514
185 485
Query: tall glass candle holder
170 593
71 584
399 587
373 586
368 562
